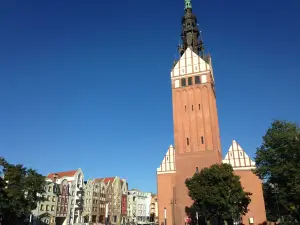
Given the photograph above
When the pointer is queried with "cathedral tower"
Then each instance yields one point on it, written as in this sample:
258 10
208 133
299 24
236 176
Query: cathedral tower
196 127
196 132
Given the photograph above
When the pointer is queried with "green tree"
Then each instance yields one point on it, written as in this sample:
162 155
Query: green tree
217 194
278 163
20 191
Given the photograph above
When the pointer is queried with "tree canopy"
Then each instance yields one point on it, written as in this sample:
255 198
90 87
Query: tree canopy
217 193
21 189
278 163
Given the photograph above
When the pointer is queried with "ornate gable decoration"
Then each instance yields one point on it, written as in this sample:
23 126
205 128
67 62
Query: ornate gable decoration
238 158
168 163
190 63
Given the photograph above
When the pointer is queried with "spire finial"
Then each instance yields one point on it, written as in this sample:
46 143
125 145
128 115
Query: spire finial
188 4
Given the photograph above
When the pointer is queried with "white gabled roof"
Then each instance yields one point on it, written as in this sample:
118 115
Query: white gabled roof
168 163
190 63
238 158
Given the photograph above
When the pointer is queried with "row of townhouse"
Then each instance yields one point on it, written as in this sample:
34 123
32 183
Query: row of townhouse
71 200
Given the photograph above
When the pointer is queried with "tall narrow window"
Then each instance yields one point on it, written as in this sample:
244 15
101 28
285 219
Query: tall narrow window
197 80
192 108
199 106
184 108
197 170
187 142
190 81
202 140
183 82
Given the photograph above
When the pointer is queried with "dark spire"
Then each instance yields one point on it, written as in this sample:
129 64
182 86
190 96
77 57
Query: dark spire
190 32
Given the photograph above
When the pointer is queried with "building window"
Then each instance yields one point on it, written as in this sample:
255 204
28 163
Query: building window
199 106
187 142
197 80
52 208
190 81
42 207
53 199
192 107
241 153
48 198
58 208
49 189
47 207
183 82
197 170
202 140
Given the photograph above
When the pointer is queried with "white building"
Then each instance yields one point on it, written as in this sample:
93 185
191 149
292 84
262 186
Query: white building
139 206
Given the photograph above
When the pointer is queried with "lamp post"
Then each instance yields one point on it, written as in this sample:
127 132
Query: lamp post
106 213
275 191
165 215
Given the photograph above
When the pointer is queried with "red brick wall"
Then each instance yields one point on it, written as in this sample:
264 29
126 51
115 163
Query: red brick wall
253 184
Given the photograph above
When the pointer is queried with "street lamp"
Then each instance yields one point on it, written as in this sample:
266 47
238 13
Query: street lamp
106 213
275 187
165 215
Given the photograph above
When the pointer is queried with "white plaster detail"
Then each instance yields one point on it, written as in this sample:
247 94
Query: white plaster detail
177 83
176 72
244 168
168 163
182 70
166 172
238 158
203 79
190 63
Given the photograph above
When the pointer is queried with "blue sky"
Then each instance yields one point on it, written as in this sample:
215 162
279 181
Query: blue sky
87 83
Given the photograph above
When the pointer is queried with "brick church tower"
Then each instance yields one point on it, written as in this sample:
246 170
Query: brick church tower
196 127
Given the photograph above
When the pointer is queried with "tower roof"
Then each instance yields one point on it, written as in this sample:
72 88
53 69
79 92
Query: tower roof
190 33
62 174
